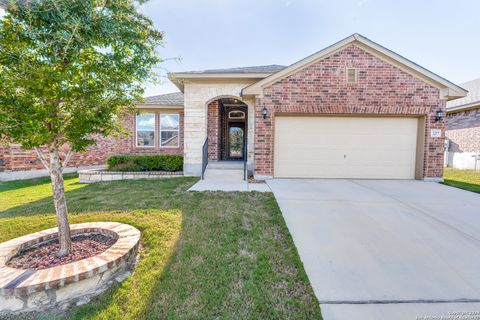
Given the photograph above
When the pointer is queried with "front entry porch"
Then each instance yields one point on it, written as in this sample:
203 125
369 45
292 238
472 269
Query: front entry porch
224 154
227 130
224 160
227 176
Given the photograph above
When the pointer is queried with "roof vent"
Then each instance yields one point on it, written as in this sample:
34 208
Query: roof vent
351 75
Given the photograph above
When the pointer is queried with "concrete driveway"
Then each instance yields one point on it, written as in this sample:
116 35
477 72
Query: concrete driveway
385 249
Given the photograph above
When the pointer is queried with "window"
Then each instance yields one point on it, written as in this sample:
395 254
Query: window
169 130
146 130
351 75
236 115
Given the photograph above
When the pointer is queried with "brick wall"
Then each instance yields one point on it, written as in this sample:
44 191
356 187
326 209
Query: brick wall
16 159
213 130
321 88
463 131
13 158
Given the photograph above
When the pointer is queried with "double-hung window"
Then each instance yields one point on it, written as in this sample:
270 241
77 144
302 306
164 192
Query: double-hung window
169 130
146 130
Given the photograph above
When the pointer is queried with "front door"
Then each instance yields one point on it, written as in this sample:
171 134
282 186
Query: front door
233 130
236 140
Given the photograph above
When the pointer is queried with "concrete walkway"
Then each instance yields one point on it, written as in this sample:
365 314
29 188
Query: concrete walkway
227 176
385 249
219 185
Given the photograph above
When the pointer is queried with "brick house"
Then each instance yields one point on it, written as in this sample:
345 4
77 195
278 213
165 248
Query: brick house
352 110
16 163
463 128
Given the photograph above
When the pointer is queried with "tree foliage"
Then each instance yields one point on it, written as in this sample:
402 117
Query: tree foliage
68 66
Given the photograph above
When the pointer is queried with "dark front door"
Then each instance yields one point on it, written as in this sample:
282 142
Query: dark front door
233 132
236 140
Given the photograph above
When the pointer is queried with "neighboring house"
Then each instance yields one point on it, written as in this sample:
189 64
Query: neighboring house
143 138
352 110
463 128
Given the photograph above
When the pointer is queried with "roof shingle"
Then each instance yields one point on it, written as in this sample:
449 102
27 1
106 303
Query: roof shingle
472 97
169 99
255 69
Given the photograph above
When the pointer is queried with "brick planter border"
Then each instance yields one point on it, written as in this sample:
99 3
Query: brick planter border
72 283
91 176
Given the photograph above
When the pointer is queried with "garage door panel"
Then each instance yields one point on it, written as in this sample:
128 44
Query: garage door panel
345 147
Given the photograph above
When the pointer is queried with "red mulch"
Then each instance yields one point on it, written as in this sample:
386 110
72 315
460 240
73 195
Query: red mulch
45 255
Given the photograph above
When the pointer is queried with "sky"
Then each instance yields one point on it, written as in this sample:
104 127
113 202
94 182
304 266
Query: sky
442 36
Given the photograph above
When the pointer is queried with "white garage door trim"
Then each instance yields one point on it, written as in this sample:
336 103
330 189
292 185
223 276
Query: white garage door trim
345 147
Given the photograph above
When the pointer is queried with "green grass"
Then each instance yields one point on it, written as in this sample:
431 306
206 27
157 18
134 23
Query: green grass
463 179
204 255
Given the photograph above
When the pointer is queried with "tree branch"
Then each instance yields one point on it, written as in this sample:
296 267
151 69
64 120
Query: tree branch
67 158
42 159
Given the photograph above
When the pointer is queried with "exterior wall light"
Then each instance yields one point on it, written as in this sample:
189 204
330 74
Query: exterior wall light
438 115
264 112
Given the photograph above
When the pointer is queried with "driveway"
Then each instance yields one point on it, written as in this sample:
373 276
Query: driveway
385 249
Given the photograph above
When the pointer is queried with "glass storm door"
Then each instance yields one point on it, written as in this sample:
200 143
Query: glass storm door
235 138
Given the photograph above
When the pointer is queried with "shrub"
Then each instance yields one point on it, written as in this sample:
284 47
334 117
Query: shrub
145 163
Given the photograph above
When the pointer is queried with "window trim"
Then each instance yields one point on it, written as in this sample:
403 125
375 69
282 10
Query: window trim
160 131
154 130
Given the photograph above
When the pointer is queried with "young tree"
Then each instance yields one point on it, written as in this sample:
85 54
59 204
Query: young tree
67 68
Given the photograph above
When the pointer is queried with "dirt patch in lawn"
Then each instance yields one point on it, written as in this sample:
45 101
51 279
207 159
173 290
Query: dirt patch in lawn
44 255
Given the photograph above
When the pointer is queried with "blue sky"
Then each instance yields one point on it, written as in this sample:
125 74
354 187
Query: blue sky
443 36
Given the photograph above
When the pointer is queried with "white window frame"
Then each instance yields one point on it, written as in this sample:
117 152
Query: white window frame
154 130
160 131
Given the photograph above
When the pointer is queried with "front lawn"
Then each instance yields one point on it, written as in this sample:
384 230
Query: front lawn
463 179
204 255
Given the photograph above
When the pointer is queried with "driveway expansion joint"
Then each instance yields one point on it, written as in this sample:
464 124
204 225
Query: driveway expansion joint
461 300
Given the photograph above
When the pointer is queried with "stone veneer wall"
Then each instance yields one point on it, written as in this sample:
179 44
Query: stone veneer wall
92 176
197 96
321 88
69 284
14 159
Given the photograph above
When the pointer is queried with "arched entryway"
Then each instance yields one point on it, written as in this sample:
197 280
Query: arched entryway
227 129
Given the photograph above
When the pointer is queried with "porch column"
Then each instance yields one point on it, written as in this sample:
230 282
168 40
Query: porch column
195 131
250 102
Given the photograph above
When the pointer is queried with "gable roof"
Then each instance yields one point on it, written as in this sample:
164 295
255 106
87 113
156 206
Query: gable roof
174 99
472 100
256 73
448 89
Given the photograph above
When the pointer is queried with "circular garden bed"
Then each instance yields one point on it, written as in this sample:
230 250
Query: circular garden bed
32 278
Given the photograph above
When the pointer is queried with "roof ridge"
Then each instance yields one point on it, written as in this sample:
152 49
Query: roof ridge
165 94
471 100
166 99
268 68
471 81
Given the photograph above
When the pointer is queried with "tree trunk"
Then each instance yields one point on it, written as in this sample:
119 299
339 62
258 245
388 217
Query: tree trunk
56 170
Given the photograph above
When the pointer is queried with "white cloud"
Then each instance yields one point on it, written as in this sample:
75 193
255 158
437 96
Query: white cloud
169 121
361 3
145 122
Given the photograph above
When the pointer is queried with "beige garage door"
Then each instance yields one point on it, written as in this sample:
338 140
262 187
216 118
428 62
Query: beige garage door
345 147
